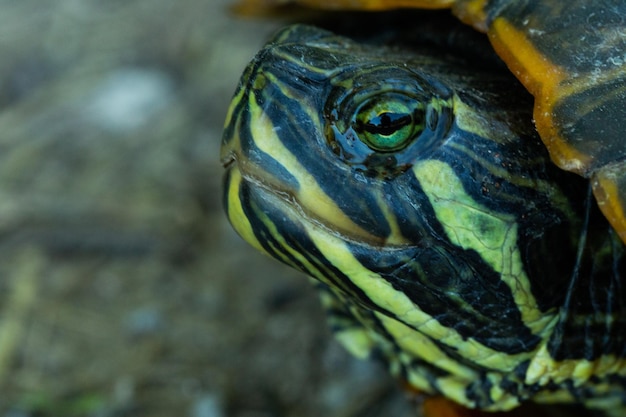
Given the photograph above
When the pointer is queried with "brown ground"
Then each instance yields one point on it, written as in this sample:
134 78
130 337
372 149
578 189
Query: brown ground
123 291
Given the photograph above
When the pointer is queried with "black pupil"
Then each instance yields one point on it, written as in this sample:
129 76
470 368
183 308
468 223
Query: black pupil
387 123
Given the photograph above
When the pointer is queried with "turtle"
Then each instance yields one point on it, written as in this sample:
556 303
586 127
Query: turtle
414 187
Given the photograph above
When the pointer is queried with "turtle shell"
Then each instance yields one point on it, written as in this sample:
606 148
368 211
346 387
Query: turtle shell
571 56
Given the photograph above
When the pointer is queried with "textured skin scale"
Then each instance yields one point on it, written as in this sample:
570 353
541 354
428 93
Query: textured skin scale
477 269
571 55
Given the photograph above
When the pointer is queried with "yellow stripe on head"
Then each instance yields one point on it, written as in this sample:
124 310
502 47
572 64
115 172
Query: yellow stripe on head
310 198
470 225
236 214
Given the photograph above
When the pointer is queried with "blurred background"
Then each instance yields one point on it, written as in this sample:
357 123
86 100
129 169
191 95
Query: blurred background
123 290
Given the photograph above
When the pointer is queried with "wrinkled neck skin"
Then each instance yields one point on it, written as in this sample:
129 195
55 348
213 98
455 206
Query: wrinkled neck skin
466 249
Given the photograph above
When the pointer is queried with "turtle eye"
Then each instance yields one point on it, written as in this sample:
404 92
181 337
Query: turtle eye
382 127
388 124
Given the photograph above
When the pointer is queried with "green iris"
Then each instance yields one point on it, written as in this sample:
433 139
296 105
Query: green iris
388 124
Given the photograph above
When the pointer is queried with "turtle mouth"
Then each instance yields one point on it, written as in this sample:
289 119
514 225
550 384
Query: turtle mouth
260 195
262 191
255 204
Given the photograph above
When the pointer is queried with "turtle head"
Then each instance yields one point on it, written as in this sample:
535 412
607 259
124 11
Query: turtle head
396 188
